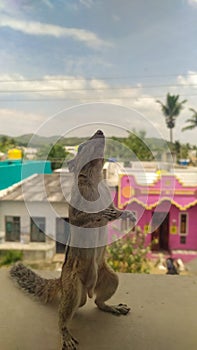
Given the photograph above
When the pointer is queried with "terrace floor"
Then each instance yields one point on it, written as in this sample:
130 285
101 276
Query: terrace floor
163 317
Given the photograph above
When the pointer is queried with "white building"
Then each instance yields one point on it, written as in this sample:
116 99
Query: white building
34 215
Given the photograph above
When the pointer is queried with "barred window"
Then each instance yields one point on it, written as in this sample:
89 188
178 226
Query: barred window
12 228
183 227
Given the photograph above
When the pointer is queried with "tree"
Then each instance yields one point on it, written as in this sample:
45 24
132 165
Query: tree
171 110
4 140
6 143
56 154
136 142
115 149
192 121
185 148
126 149
177 148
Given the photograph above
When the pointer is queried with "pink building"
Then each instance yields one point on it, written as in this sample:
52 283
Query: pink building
166 211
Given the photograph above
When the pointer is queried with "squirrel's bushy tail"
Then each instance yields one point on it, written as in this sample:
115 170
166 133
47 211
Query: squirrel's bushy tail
45 289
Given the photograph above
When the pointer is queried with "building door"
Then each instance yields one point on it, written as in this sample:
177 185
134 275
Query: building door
160 235
62 234
12 228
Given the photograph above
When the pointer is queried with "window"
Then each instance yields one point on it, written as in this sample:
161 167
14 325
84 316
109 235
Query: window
62 234
183 239
183 227
183 224
127 224
37 233
12 228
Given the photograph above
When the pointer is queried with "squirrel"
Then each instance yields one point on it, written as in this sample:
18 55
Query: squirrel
85 272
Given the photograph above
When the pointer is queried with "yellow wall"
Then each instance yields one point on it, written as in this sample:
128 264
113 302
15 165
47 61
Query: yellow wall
14 154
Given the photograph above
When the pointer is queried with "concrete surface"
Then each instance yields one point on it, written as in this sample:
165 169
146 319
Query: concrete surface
163 317
192 266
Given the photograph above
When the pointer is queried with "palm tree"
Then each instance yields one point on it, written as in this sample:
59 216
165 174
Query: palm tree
192 121
171 110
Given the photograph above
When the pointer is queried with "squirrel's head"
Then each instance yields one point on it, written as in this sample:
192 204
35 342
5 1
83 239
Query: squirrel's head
90 156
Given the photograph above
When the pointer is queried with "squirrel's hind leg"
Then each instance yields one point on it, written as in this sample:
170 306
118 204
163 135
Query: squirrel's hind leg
70 301
105 288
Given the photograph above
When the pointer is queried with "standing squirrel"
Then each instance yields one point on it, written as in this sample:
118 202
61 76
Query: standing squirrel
85 271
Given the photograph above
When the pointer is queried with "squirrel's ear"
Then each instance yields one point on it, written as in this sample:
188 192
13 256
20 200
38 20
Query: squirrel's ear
71 165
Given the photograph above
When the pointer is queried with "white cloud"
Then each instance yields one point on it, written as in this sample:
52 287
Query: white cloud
86 3
49 85
48 3
79 64
75 90
116 18
189 80
78 90
187 89
16 8
15 114
17 122
192 2
98 84
2 5
89 38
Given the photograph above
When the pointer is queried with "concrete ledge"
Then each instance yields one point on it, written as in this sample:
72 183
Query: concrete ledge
163 317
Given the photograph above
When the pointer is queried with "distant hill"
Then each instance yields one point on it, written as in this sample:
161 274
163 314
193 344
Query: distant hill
34 140
38 141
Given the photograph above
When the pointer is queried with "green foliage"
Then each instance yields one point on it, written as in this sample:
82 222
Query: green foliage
44 151
55 153
181 150
129 254
136 142
171 110
10 257
57 156
192 122
115 148
177 149
134 147
6 143
185 150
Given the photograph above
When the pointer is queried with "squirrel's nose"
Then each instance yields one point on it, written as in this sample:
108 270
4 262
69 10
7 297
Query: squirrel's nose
99 132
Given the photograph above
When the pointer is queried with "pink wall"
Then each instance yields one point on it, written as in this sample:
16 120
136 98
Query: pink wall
144 218
191 238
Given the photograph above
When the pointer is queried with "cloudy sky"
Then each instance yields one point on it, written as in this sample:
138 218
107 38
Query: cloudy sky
71 62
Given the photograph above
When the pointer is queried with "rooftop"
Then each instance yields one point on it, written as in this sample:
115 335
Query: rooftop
40 187
165 188
163 316
187 176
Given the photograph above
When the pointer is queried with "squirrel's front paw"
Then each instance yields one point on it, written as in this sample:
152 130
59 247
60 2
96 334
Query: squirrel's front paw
110 214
